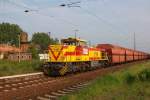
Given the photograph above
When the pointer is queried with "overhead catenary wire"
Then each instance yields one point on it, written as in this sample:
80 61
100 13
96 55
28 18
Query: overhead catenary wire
66 21
113 11
58 19
18 5
101 19
112 27
27 9
74 26
98 17
71 4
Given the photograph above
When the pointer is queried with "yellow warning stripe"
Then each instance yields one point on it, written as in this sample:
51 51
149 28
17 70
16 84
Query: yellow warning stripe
63 70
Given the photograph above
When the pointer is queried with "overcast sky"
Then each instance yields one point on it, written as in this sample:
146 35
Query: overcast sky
98 21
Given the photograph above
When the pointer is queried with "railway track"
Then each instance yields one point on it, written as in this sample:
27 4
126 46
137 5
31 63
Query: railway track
20 81
39 87
9 85
55 95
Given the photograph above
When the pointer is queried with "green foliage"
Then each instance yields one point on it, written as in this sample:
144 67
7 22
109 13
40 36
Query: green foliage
129 78
42 41
13 68
144 75
9 33
112 87
34 52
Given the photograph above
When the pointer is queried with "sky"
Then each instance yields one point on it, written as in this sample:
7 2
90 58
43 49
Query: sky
97 21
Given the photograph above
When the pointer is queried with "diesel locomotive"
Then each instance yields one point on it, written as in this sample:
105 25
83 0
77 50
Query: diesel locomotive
73 55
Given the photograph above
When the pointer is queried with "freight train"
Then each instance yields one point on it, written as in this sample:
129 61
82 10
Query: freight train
74 55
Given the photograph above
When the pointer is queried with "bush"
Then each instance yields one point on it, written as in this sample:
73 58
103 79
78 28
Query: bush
129 78
13 68
144 75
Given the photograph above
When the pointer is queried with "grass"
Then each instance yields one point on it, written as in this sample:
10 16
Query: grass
13 68
131 83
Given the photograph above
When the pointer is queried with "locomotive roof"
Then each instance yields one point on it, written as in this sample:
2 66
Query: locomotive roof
73 39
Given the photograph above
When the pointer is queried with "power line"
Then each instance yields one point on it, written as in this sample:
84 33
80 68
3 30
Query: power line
37 11
27 10
76 4
99 18
58 19
73 4
18 5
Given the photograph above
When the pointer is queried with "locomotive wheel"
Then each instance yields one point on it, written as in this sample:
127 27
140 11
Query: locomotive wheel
46 69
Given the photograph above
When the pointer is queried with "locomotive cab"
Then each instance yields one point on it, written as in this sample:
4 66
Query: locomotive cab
73 41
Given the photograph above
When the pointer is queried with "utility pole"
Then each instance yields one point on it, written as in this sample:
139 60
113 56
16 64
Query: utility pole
19 46
75 34
49 33
134 41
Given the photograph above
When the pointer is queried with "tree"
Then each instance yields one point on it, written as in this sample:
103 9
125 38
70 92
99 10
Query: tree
42 41
9 33
34 52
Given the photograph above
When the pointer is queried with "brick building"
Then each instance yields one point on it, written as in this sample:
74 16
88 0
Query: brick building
6 49
23 56
15 54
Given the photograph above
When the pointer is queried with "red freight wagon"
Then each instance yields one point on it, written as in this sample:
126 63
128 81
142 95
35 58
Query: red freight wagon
116 54
136 55
147 56
144 56
129 55
140 55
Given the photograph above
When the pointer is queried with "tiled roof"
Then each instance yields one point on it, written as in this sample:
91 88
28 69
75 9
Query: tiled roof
8 48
